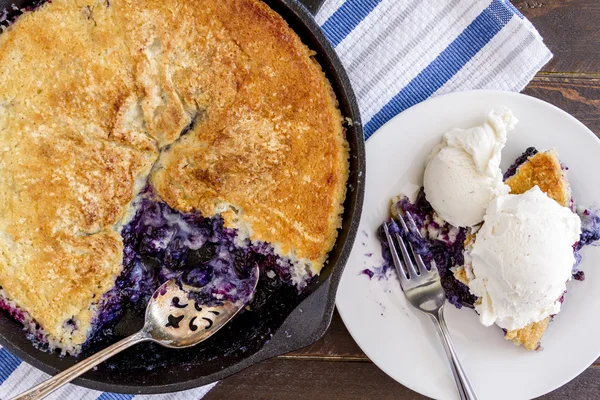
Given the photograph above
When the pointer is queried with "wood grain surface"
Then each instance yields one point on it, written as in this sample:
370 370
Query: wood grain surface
578 95
571 29
335 367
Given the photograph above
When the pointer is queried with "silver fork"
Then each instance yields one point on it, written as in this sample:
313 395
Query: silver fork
423 289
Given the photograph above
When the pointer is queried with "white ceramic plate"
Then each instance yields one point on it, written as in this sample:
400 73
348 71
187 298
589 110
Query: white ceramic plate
402 341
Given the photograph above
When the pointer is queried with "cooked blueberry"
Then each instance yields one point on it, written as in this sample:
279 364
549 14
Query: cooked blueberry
530 152
202 255
198 277
151 262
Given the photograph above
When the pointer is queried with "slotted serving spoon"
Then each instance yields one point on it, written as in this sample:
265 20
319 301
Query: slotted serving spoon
172 320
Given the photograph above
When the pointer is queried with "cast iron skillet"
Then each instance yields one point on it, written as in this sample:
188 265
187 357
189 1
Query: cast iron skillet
288 323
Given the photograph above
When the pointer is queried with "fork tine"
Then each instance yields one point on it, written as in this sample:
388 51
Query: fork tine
410 267
422 267
412 223
413 226
395 257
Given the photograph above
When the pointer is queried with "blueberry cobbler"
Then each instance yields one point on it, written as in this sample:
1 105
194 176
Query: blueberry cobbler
147 140
503 268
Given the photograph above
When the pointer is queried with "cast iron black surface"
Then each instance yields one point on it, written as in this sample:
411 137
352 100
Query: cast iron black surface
249 338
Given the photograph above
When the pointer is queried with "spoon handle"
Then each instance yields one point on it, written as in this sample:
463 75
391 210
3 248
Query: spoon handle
45 388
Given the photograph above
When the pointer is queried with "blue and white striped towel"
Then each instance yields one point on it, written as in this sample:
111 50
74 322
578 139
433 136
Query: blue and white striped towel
397 53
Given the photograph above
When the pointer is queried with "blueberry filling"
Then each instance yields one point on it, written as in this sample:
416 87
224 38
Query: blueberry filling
590 228
10 13
512 170
161 243
446 249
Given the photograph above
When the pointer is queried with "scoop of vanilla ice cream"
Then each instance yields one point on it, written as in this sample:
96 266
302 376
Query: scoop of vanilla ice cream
522 258
463 173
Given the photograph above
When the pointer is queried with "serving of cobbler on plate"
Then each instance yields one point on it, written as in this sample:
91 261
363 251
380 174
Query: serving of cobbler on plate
143 141
504 244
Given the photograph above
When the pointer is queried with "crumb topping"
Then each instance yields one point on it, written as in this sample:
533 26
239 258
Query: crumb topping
545 171
530 335
219 104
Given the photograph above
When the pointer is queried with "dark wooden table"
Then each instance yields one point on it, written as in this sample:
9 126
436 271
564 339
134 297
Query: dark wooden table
335 367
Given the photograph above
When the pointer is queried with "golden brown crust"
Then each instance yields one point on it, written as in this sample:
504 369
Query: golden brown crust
460 274
102 87
545 171
530 335
69 163
276 153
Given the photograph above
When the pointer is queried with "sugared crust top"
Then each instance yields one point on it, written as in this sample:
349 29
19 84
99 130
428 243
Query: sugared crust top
529 336
68 163
274 156
94 93
542 170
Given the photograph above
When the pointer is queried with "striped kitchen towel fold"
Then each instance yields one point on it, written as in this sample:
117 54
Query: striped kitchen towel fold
401 52
397 54
16 377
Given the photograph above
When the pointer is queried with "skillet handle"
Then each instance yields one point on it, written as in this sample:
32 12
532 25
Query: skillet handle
312 5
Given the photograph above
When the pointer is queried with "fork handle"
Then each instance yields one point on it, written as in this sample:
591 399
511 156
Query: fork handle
465 391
